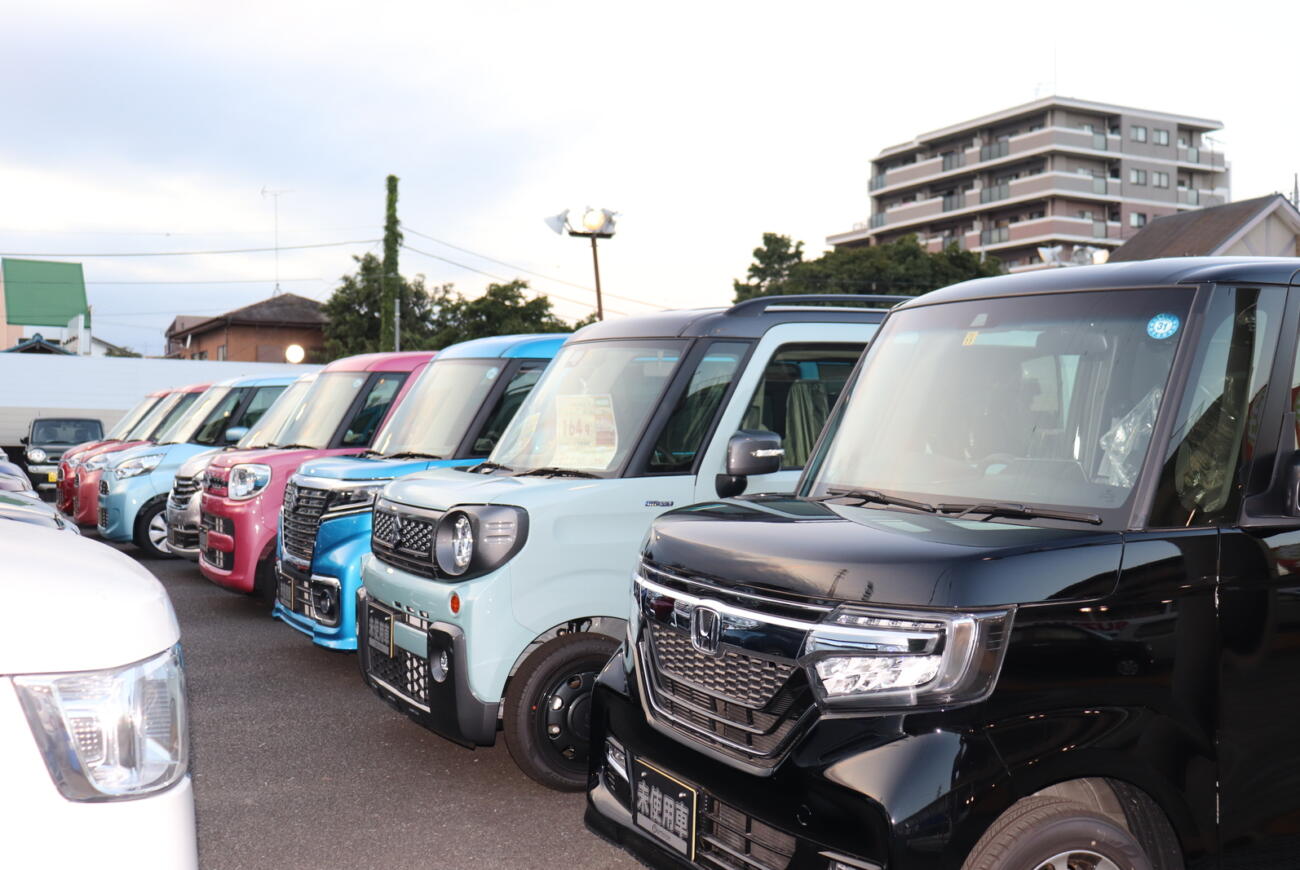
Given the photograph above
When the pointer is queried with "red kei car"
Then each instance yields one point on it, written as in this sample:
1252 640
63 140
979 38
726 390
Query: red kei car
243 489
84 477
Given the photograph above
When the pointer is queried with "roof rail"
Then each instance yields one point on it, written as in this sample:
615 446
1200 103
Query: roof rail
759 304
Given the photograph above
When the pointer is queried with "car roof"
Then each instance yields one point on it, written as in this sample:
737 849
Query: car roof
537 346
749 319
257 381
400 361
1166 272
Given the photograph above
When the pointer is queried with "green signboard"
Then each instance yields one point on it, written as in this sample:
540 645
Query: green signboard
39 293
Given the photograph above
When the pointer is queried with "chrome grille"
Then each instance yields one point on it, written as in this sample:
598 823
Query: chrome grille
183 488
744 679
404 540
732 840
103 518
303 506
103 486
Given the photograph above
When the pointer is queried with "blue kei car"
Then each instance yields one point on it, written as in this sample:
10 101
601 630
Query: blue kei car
133 489
454 415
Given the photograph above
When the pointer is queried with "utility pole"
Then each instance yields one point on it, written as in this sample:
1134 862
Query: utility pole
397 323
275 199
390 278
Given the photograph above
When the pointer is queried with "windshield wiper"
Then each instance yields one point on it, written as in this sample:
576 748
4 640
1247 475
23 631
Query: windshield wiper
486 466
1021 511
875 496
372 452
555 471
412 454
295 446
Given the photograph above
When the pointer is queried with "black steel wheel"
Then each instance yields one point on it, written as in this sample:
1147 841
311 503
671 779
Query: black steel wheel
548 709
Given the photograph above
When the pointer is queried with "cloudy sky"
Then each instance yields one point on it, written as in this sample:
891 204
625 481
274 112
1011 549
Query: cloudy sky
155 127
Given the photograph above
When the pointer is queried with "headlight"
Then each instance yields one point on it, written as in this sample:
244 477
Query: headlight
354 500
114 734
476 539
247 480
73 461
137 466
96 462
36 454
886 658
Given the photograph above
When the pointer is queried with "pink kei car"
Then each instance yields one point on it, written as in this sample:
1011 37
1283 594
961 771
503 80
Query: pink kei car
243 489
69 462
85 492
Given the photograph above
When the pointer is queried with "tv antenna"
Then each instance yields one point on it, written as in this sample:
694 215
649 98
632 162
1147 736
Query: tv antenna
275 199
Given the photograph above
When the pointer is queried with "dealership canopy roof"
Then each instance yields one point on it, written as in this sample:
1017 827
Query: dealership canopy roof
40 293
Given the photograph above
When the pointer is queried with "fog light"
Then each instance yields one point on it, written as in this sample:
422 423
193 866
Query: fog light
440 667
616 757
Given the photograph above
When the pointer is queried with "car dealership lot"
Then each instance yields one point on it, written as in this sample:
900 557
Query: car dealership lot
297 764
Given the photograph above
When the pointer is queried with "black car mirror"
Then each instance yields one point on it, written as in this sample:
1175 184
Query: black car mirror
749 452
23 440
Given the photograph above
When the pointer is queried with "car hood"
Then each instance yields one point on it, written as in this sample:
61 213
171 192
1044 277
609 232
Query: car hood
110 611
29 508
859 554
195 465
358 468
443 488
279 459
113 447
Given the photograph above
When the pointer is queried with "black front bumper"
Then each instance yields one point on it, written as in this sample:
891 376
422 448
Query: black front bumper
866 792
405 681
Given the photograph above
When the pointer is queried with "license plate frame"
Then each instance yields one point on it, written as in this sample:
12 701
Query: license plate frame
378 617
680 833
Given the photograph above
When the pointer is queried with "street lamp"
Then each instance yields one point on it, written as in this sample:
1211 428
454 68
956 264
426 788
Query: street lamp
588 223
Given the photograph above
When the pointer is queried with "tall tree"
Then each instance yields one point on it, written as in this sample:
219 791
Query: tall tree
502 310
773 261
357 313
900 267
392 278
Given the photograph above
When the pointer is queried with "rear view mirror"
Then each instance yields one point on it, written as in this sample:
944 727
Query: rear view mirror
749 452
234 433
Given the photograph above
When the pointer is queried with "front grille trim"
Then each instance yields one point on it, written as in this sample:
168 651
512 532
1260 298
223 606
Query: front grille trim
413 560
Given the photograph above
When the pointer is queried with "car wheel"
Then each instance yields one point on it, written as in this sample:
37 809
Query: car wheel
150 533
548 709
264 581
1049 833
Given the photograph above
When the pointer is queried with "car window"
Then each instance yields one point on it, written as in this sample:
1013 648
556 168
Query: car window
214 426
373 408
684 432
64 431
799 387
507 405
263 398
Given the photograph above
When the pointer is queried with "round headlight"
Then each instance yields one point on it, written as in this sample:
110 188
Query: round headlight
453 548
36 454
462 542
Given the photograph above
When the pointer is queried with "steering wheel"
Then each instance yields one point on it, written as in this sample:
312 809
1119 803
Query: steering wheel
993 459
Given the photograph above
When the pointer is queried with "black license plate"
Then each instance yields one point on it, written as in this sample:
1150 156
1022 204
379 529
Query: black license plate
379 631
665 808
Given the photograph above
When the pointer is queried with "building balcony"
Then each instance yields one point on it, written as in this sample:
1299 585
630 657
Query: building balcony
1197 197
1040 231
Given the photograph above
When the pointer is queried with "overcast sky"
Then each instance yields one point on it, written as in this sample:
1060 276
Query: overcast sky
155 127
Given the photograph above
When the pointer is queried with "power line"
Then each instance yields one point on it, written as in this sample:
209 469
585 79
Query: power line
166 233
198 253
526 271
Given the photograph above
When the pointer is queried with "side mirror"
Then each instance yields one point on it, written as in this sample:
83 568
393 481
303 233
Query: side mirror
234 433
749 452
23 440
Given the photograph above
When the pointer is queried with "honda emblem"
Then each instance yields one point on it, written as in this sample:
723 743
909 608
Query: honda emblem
706 629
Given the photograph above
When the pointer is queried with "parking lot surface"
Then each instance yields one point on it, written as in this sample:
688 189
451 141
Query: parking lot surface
297 764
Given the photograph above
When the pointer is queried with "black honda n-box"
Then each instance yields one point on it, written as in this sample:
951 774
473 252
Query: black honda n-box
1035 606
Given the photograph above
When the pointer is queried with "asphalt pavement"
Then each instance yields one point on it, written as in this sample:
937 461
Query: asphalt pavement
296 763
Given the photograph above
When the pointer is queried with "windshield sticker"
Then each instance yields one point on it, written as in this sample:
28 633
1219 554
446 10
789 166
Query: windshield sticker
969 339
1163 326
586 431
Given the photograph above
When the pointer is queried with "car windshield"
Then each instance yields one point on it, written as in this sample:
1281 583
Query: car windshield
73 431
265 431
590 407
1045 400
152 421
314 422
177 411
131 418
184 426
433 417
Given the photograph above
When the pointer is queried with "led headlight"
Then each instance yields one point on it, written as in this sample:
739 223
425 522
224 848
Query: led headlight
888 658
136 466
475 539
96 462
73 461
37 455
248 480
353 500
113 734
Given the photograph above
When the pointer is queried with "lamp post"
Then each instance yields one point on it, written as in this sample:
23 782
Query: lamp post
591 223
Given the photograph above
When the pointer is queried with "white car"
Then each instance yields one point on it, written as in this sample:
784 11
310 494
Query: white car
94 728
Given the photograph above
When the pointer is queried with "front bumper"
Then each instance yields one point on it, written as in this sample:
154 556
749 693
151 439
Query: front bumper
119 504
183 527
397 669
85 497
866 792
318 599
234 537
45 477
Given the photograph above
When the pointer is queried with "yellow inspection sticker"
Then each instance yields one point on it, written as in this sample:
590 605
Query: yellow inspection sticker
969 339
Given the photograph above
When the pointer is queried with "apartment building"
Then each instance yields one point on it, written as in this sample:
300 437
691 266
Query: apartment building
1070 177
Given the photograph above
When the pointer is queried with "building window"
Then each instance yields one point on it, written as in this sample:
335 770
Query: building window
1137 218
199 354
221 352
1085 214
1160 137
1137 176
1137 134
1160 179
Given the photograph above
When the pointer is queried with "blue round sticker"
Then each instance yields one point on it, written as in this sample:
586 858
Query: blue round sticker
1162 326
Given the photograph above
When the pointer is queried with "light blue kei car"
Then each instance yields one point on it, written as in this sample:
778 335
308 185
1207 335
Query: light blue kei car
454 416
134 488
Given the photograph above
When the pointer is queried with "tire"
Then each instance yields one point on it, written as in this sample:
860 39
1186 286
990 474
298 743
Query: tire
150 532
548 709
1049 833
264 581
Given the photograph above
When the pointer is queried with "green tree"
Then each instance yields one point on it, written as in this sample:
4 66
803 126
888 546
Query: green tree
120 351
502 310
901 267
773 261
356 312
392 278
